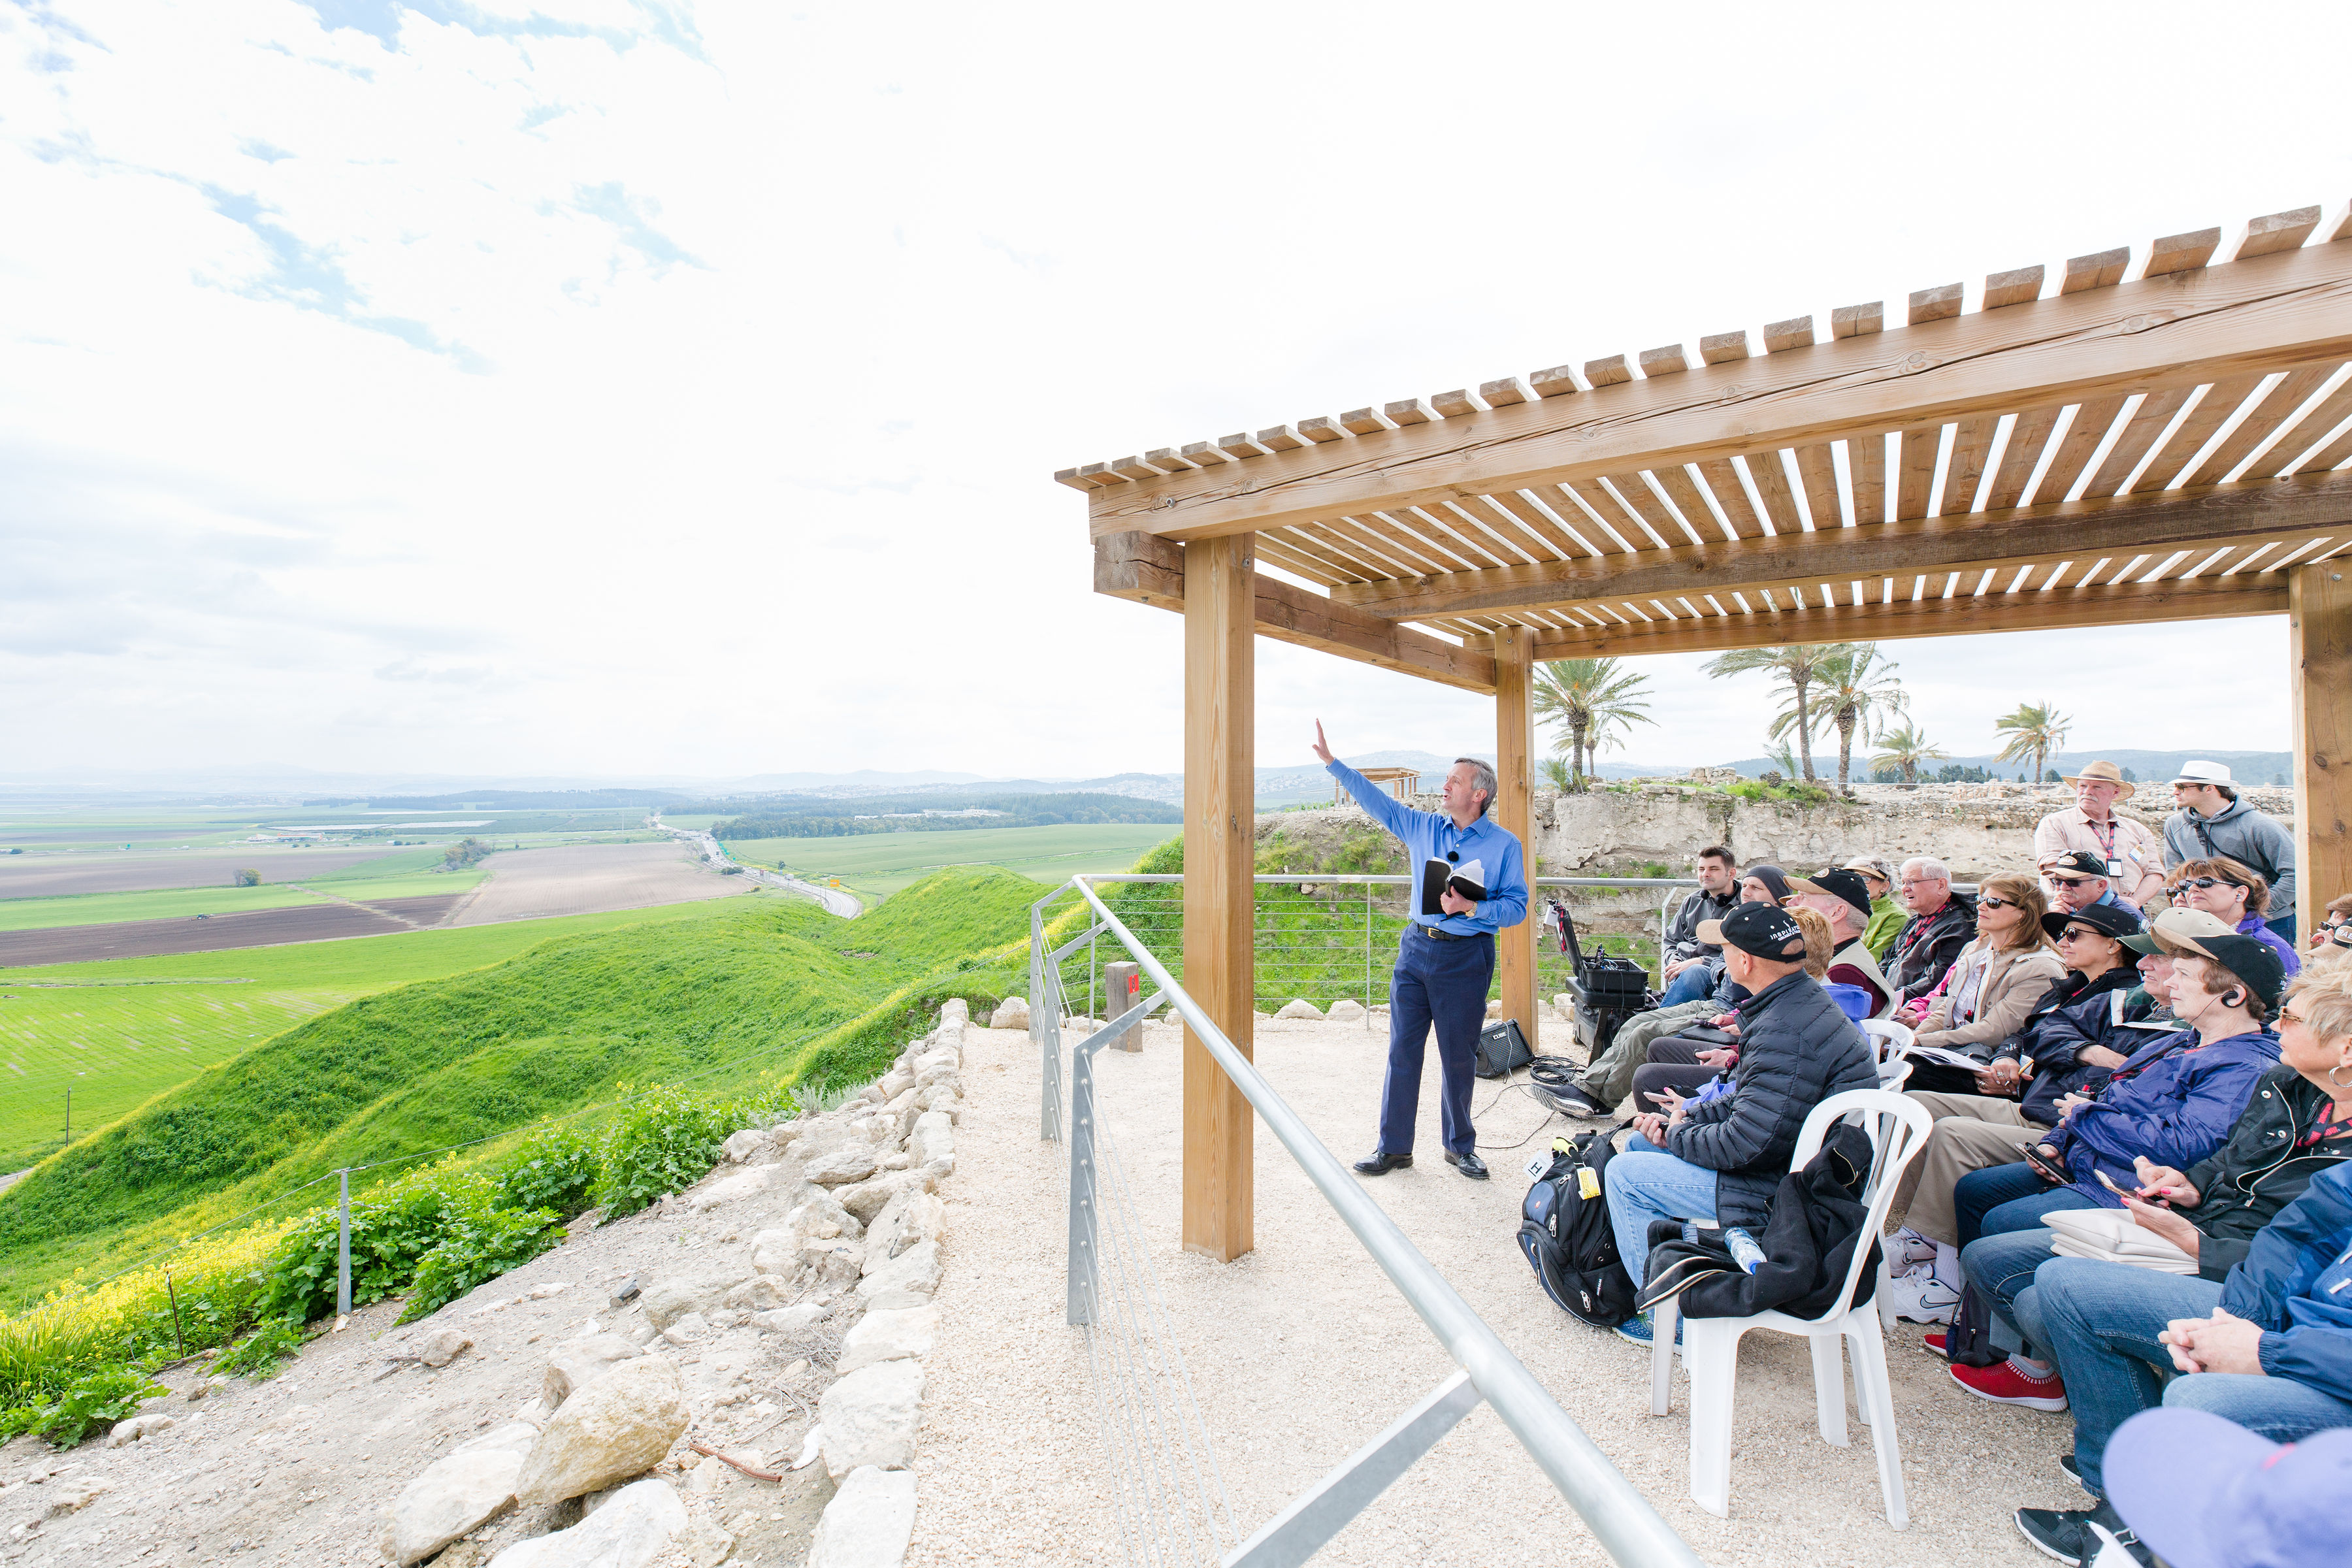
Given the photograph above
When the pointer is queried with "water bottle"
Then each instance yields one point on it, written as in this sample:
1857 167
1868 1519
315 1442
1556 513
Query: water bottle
1744 1250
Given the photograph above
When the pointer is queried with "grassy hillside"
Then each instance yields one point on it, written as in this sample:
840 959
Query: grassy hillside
761 989
879 864
122 1030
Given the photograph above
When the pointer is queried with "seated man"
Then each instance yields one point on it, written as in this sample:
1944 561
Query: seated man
2173 1102
1610 1076
1724 1160
1942 922
2076 880
1686 1065
2269 1347
1688 965
1842 899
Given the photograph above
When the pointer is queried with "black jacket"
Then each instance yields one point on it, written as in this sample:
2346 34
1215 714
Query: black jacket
1809 1245
1796 1049
1924 949
1682 936
2059 1036
2244 1183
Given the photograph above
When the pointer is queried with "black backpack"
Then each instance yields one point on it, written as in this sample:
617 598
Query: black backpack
1565 1232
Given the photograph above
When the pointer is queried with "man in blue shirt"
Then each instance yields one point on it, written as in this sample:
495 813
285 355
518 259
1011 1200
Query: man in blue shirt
1445 960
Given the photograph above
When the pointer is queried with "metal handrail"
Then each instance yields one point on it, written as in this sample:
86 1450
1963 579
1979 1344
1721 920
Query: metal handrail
1618 1514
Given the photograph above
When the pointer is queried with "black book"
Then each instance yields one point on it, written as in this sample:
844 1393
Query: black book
1467 881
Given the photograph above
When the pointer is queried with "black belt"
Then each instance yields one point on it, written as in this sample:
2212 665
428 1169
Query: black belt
1433 934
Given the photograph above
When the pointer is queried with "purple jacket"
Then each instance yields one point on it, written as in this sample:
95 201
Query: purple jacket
2256 927
2173 1101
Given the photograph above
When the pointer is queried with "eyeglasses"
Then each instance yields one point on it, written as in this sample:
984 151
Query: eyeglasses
2074 882
2203 882
1995 901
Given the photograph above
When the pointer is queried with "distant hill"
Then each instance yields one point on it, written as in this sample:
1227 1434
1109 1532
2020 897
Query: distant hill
2246 767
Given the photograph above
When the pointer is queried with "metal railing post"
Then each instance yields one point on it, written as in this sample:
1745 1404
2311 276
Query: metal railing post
1082 1266
343 1245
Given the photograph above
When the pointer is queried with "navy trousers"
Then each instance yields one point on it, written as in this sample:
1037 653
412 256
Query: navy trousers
1442 983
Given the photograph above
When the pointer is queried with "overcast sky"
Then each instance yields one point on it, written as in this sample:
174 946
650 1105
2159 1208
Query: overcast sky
629 389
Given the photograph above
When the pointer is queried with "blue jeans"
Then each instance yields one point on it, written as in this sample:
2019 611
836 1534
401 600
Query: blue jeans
2008 1198
1692 984
2103 1319
2283 928
1646 1184
1442 983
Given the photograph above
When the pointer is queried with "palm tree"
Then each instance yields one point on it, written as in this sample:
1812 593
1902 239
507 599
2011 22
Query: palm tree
1590 699
2035 730
1859 693
1557 773
1783 761
1905 749
1796 666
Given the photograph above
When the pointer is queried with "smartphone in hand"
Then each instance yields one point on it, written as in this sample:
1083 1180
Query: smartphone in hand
2057 1176
2157 1200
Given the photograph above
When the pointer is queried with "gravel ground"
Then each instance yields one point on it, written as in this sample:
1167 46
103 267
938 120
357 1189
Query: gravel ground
1301 1351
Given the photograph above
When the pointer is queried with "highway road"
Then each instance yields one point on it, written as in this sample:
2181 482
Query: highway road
835 900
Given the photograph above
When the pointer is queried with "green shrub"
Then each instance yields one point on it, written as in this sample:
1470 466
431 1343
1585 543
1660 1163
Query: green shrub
478 1248
262 1352
554 1168
93 1404
661 1144
392 1230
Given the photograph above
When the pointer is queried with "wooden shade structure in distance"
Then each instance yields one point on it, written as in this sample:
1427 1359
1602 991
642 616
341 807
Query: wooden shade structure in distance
2116 443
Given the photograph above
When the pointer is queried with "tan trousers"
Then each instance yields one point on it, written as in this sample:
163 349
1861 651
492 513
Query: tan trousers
1972 1133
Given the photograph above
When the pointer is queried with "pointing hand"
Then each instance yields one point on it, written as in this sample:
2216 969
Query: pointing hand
1322 746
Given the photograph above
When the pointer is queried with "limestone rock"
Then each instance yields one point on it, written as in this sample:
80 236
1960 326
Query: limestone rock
946 1096
617 1426
1566 1004
907 1280
581 1360
933 1142
1012 1012
869 1198
70 1495
125 1432
706 1545
792 1322
838 1166
441 1347
628 1532
742 1148
869 1417
691 1329
775 1252
888 1336
1494 1009
1299 1009
456 1493
956 1012
748 1184
667 1300
913 1216
760 1293
1346 1010
868 1522
833 1263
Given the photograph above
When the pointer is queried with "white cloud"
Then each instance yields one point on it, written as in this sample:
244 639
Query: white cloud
674 389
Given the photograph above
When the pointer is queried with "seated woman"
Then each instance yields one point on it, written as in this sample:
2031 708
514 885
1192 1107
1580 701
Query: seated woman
1886 916
1992 986
1685 1066
2257 1334
1973 1131
2236 893
2172 1103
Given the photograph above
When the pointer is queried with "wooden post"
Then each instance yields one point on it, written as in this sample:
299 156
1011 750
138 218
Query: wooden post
1220 779
2319 649
1515 747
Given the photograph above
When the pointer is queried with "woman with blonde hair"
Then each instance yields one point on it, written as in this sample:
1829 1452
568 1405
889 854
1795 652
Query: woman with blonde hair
1993 985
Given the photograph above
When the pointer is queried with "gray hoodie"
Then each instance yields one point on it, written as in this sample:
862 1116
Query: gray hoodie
2252 838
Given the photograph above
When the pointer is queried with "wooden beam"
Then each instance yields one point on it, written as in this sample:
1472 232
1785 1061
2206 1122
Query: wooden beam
1220 855
2054 531
1514 752
1147 571
2203 324
2319 650
2031 610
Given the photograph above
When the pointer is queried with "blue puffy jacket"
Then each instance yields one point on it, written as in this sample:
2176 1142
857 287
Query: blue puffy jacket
2296 1282
2173 1101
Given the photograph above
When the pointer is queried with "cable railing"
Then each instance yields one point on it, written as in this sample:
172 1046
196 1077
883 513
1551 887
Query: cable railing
1170 1498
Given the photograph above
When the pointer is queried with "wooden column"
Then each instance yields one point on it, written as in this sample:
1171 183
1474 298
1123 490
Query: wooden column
2319 648
1514 751
1220 779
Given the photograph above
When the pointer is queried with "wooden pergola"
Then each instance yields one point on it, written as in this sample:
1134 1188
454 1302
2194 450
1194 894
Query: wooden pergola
2158 443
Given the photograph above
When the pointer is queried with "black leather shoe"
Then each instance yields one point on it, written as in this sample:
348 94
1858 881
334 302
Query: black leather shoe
1469 1165
1381 1164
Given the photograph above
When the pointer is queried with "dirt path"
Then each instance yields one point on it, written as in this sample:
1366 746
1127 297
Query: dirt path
590 879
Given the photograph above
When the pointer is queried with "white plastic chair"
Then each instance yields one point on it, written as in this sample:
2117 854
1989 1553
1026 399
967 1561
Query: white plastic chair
1898 1129
1893 1072
1887 1036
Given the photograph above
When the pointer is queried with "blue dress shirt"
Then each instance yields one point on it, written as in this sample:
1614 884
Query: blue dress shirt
1432 836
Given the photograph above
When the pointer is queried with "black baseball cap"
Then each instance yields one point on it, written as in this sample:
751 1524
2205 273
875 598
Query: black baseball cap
2251 960
2076 864
1839 883
1766 931
2107 920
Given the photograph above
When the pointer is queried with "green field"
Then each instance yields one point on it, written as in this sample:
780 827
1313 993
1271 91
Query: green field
162 904
120 1032
876 864
415 885
734 995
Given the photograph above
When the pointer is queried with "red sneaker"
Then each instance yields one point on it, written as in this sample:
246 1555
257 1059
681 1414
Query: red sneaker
1933 1344
2005 1383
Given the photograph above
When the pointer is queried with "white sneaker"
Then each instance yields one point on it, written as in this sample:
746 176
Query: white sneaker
1918 1297
1905 1250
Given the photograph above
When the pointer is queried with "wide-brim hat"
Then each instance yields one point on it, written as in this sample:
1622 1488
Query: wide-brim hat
2197 771
2107 920
2106 773
2181 925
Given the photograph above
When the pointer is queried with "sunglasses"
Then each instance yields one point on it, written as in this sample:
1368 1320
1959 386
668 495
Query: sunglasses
2202 882
2075 882
2071 932
1995 901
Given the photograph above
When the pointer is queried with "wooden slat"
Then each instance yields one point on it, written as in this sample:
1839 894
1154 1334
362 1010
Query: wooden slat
2277 404
2181 252
1858 321
1922 444
2140 432
2092 420
1635 497
2220 400
2121 527
2331 411
2030 610
1455 404
2017 287
1452 533
1611 372
1722 348
1364 422
1938 304
2279 231
1506 522
1667 361
1796 332
1617 531
1723 483
1239 445
1168 460
1971 444
1563 544
2327 456
1560 381
2027 438
1273 553
1317 539
1399 540
1483 525
1321 429
1773 485
1816 472
1408 411
1502 394
2100 269
1676 482
1865 459
1205 454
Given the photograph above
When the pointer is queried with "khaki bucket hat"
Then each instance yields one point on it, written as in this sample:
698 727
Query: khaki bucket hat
2106 773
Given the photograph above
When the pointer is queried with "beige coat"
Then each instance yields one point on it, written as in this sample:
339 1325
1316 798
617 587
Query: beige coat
2013 984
